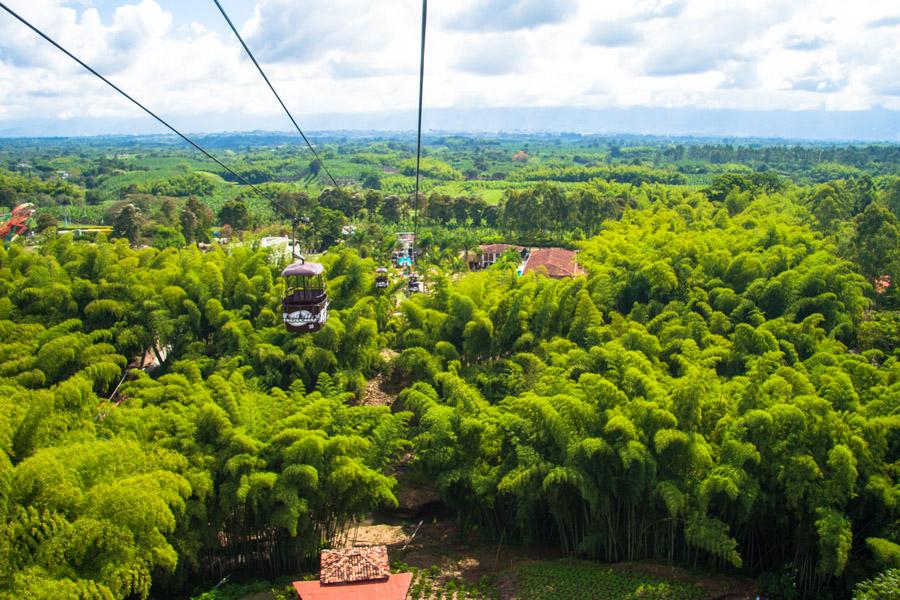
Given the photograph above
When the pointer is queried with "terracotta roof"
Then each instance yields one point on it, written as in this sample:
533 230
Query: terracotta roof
394 587
499 248
365 563
553 262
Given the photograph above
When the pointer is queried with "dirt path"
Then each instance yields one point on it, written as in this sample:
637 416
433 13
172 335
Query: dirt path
459 556
438 543
376 395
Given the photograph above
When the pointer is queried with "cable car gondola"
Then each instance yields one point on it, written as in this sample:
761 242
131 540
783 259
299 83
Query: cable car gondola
381 278
414 284
305 304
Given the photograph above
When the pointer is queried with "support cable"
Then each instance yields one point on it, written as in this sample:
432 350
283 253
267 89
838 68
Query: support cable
419 129
271 87
138 104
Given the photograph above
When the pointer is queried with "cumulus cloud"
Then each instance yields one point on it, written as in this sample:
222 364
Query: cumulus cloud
687 59
740 74
511 15
110 48
328 56
498 55
285 30
885 79
626 30
816 83
888 21
613 34
668 10
805 43
722 33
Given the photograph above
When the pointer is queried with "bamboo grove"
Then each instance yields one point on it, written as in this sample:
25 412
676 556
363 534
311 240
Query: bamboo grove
719 390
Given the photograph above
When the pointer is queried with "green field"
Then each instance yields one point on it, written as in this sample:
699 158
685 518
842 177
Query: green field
590 581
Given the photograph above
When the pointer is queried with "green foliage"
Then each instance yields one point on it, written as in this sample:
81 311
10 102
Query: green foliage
574 579
779 585
693 394
108 499
282 590
431 167
719 389
885 586
428 583
235 214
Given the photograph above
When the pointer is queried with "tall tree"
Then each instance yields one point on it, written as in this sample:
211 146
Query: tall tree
236 214
128 223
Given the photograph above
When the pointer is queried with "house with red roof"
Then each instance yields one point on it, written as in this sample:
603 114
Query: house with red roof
359 573
553 262
488 254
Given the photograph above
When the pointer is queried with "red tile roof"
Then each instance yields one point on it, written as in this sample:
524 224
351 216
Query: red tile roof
395 587
364 563
499 248
553 262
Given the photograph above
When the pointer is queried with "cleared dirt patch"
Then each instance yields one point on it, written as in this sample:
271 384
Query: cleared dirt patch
376 394
439 546
375 534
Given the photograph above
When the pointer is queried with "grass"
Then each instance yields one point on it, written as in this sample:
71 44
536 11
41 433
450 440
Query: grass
429 584
280 589
588 580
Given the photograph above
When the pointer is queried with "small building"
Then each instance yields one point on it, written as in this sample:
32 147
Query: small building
488 254
553 262
402 255
405 241
281 248
360 573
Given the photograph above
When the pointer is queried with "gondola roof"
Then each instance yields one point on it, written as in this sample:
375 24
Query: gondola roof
303 269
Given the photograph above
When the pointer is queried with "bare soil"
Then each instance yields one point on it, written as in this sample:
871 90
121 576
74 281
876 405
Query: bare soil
470 558
459 556
377 394
439 543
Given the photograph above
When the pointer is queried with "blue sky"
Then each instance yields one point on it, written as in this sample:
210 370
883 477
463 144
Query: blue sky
359 57
183 12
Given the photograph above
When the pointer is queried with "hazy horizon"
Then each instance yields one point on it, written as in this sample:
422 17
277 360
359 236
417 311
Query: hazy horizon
815 126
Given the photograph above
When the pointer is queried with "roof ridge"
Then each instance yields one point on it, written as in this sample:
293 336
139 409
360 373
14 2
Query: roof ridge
374 565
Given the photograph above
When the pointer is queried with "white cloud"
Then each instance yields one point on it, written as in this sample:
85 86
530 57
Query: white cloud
613 34
496 55
327 56
510 15
805 43
290 31
886 21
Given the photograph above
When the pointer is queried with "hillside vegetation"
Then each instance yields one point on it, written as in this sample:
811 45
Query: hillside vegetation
721 390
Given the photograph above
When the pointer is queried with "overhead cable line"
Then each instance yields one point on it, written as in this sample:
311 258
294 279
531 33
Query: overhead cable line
419 129
271 87
141 106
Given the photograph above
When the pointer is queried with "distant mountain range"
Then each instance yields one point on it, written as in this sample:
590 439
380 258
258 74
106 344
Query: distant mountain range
869 126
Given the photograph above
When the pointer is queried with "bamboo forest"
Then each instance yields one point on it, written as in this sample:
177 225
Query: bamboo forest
715 387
